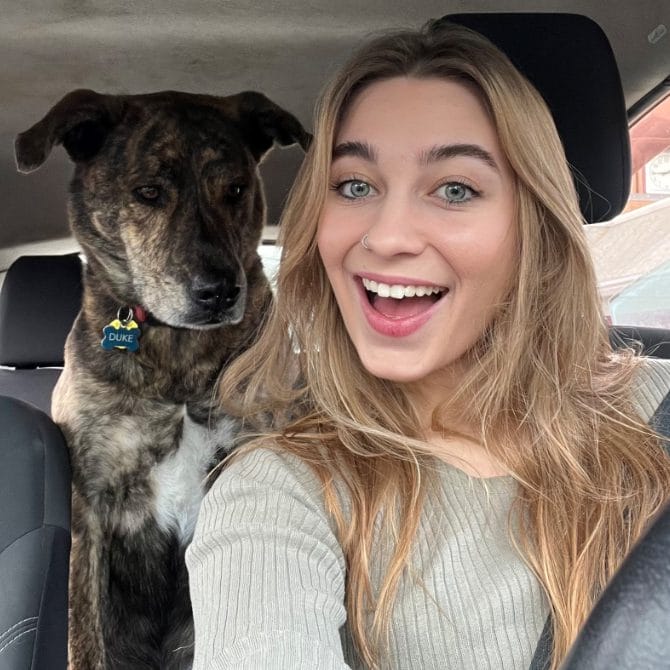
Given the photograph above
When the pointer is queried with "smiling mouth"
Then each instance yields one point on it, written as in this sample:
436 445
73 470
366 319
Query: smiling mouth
401 301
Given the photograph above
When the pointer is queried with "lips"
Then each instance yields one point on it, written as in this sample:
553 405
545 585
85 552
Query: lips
398 308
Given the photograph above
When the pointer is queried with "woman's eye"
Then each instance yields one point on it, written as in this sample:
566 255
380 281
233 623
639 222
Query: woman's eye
354 189
455 192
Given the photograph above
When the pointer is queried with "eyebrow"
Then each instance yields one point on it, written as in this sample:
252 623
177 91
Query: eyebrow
443 152
437 153
357 149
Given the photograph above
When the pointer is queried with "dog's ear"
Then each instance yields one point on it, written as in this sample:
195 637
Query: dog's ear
263 123
80 122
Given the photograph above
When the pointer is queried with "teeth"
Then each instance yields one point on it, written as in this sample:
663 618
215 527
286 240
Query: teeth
399 291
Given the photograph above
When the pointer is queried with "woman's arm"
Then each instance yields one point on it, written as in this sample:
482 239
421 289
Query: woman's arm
266 571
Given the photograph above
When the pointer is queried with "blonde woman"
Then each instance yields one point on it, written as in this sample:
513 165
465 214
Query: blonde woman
456 452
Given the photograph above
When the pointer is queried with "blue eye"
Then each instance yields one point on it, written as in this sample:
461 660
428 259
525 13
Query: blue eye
455 192
354 189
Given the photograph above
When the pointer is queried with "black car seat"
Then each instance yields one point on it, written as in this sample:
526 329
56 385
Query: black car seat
34 539
39 300
625 630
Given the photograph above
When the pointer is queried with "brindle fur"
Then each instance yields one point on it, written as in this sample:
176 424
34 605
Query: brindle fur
125 415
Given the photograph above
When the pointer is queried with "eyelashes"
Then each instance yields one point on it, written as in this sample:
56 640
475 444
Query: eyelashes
455 191
354 189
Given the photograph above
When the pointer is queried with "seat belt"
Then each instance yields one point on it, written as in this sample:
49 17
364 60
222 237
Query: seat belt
660 421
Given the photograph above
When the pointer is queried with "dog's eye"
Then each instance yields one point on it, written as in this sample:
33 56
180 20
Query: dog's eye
147 194
235 191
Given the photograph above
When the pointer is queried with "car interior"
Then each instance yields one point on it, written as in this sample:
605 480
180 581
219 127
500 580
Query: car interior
600 67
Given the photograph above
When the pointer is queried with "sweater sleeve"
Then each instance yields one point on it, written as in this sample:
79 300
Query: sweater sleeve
266 571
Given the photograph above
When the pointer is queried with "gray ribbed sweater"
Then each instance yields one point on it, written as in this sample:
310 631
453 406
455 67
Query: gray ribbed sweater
267 577
267 574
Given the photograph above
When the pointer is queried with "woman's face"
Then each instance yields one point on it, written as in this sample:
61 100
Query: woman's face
417 233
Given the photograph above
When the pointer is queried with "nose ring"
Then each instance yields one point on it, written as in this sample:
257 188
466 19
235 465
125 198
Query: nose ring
364 242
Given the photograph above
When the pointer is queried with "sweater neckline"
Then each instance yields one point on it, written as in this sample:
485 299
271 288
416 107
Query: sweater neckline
496 483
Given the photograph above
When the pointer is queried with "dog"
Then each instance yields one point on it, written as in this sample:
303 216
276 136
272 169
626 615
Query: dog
167 204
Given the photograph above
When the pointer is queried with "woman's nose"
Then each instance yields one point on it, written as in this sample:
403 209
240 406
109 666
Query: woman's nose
395 229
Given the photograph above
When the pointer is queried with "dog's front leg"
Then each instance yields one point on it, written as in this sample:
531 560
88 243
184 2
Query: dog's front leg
89 574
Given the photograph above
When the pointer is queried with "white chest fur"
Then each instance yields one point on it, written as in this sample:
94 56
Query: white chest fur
178 481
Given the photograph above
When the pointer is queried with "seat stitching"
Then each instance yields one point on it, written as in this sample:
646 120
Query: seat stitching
16 625
16 637
32 530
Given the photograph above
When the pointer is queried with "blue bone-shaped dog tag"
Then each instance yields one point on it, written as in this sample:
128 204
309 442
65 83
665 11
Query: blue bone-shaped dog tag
118 335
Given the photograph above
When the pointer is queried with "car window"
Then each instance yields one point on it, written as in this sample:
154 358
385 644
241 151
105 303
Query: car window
632 252
650 156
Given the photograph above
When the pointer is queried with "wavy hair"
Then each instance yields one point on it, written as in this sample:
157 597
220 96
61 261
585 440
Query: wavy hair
544 392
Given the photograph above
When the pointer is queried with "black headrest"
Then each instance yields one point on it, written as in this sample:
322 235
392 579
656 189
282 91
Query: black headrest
569 60
39 300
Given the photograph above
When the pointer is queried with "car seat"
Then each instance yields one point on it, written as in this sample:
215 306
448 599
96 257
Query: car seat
34 539
628 628
39 300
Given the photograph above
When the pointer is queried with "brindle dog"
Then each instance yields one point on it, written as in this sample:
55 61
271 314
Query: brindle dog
167 204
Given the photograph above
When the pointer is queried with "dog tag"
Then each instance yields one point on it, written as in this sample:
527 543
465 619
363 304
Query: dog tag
121 333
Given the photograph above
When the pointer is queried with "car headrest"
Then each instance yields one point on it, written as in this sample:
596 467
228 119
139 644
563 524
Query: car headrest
569 60
39 300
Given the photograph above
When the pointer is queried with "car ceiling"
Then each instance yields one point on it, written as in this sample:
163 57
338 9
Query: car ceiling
284 49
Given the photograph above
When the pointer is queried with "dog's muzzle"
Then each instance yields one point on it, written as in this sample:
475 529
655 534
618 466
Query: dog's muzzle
214 295
218 302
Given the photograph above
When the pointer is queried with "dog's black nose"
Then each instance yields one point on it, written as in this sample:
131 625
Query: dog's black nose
220 294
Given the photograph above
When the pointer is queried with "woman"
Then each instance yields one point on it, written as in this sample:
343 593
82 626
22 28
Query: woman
455 454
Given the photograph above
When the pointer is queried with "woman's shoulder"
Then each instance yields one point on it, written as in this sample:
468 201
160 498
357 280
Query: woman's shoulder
268 476
269 463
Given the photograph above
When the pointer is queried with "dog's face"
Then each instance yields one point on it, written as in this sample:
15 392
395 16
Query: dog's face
166 199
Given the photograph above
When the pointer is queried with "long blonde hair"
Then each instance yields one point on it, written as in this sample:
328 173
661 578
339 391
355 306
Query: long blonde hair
546 394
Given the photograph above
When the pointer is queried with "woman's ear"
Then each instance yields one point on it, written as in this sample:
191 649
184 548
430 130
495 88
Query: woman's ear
80 122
